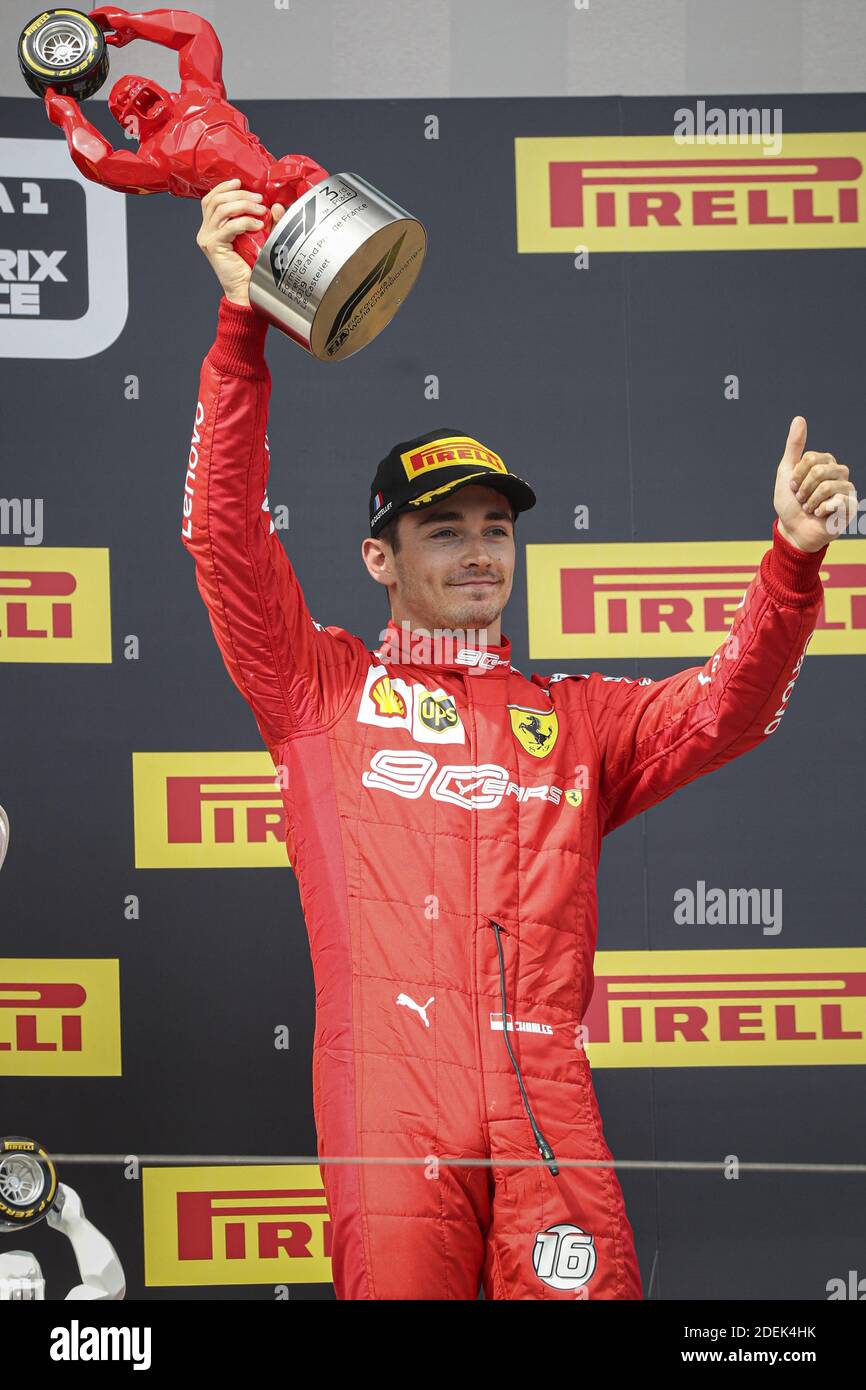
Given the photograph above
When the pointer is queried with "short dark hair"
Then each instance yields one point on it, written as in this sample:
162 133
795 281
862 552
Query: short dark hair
390 532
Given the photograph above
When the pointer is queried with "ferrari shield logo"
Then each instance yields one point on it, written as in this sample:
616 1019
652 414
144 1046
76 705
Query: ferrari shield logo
535 730
573 796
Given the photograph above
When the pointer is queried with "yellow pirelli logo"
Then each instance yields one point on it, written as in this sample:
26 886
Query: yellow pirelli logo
651 193
446 453
590 602
263 1224
728 1008
59 1017
54 605
207 811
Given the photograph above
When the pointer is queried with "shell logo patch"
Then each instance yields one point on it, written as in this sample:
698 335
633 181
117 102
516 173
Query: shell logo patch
392 702
535 730
389 702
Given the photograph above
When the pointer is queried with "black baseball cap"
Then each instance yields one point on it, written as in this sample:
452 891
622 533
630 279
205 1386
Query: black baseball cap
421 471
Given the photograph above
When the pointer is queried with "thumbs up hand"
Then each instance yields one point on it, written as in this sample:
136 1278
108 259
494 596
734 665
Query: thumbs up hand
813 499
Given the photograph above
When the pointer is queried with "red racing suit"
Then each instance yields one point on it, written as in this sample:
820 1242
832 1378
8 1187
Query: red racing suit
444 820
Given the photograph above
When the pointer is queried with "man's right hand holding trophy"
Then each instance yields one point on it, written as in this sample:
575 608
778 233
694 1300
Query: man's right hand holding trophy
227 211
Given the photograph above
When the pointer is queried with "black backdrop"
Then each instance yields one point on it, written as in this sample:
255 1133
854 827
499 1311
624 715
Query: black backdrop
604 388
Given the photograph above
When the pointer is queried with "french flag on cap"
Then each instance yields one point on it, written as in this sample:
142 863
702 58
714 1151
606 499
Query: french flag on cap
377 501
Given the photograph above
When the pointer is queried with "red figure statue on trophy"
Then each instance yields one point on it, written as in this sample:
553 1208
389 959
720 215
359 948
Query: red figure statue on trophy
343 256
188 140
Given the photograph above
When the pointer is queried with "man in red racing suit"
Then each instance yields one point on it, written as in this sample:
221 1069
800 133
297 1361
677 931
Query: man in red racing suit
448 878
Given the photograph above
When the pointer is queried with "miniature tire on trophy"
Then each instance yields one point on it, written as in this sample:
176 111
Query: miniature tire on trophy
28 1183
65 50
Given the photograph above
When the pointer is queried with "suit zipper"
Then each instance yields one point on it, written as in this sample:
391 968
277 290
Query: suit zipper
543 1147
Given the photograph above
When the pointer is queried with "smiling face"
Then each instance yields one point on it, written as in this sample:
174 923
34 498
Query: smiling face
454 565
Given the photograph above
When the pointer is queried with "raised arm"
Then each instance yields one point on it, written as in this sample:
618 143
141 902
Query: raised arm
123 170
199 52
296 675
656 737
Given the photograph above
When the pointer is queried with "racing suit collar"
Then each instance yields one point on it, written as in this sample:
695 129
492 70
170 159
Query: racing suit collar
418 647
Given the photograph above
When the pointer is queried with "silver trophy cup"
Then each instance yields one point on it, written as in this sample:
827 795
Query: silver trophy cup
337 266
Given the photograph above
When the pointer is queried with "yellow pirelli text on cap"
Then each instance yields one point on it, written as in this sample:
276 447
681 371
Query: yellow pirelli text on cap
446 453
